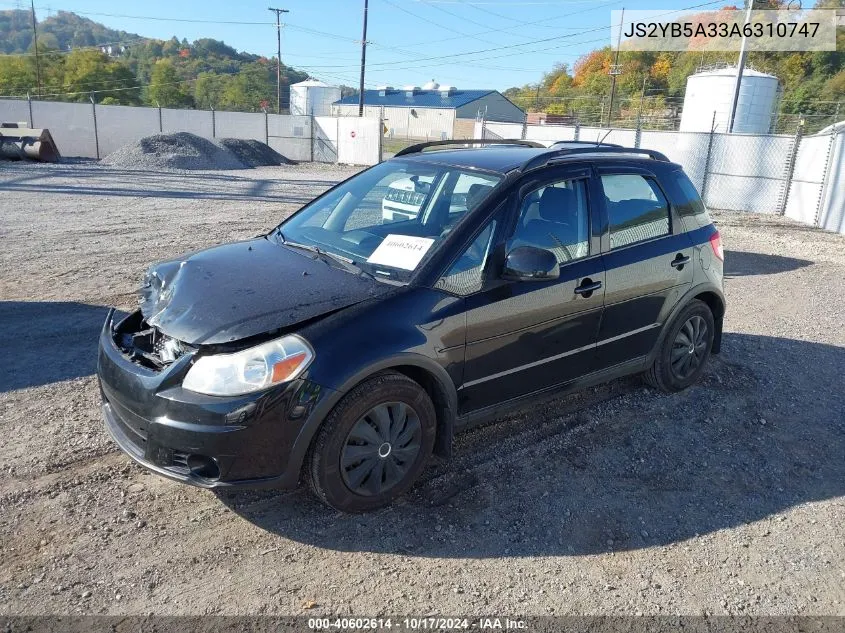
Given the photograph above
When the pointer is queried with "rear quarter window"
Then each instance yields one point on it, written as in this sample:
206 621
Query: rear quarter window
690 206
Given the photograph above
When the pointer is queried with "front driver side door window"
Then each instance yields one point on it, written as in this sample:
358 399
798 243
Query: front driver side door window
526 336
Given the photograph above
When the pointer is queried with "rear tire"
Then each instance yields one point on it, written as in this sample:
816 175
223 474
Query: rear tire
373 445
683 350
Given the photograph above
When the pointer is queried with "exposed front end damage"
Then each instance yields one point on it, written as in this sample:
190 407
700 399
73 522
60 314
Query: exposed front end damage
206 441
146 345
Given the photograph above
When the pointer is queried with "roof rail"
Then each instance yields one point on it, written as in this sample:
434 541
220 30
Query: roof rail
582 143
545 159
419 147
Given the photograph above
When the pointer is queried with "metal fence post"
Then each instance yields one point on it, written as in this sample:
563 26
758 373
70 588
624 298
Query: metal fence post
29 101
381 136
524 126
790 168
213 123
577 130
825 179
266 127
96 132
638 134
313 137
160 124
707 159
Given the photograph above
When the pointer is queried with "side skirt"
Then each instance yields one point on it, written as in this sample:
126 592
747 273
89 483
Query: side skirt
480 416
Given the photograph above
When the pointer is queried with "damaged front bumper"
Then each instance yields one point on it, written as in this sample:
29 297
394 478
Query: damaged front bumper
254 440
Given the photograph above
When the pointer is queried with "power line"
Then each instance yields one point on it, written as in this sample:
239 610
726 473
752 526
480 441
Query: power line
398 65
437 24
471 21
159 18
531 23
539 41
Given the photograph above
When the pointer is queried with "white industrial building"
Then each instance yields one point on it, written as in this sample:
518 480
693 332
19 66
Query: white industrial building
312 98
432 111
712 91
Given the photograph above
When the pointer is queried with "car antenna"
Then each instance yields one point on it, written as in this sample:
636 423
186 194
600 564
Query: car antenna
603 137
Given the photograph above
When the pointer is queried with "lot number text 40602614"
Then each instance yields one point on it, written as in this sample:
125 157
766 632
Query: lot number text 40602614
414 624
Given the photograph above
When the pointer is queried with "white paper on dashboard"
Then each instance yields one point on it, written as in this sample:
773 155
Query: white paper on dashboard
401 251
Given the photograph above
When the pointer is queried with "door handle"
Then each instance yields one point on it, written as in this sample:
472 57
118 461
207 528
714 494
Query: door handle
587 287
679 261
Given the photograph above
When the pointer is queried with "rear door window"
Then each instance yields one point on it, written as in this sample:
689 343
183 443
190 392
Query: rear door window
636 208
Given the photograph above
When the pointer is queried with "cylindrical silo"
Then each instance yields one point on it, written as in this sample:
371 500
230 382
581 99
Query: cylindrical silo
313 98
713 90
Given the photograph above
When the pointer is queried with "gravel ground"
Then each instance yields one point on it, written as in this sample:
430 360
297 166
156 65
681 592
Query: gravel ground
727 498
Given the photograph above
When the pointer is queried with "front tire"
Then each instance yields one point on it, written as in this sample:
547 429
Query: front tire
373 445
684 349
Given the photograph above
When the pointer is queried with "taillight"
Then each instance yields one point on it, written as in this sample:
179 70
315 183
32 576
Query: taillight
716 245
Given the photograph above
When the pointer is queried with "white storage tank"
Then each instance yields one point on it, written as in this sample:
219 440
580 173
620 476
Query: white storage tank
313 98
713 90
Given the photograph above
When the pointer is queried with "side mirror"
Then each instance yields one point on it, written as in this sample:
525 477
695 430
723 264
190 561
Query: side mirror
529 263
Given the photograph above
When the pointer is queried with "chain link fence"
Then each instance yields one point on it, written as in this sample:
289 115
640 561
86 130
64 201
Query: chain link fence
784 174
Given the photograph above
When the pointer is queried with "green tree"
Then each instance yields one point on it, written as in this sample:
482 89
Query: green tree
208 90
166 88
834 88
250 90
17 75
89 71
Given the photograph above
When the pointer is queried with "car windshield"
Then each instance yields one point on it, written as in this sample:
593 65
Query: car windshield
388 218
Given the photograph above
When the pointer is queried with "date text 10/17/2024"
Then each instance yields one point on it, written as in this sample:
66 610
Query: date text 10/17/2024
415 624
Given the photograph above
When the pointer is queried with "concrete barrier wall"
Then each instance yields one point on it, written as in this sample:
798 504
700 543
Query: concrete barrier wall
88 131
118 125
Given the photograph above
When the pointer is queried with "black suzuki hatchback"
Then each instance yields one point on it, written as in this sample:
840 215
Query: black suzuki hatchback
426 293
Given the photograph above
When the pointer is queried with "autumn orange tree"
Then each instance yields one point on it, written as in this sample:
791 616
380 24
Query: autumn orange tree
651 85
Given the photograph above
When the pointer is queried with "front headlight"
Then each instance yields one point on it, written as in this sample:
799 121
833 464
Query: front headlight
251 369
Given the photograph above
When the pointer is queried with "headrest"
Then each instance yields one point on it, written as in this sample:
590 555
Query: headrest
556 204
476 193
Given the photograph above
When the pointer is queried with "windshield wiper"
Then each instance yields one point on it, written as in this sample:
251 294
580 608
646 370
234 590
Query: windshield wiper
347 263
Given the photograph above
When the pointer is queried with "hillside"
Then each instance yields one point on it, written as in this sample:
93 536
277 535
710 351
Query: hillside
204 73
61 31
651 87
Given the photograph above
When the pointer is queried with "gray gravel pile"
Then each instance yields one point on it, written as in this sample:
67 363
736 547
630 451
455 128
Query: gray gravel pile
181 150
254 153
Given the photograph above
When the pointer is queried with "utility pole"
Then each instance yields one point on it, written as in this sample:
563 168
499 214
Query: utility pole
615 69
740 67
642 98
363 61
278 13
35 43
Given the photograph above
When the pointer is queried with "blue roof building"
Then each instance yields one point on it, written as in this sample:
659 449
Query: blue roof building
431 112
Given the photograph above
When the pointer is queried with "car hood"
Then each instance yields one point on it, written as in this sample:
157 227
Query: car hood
244 289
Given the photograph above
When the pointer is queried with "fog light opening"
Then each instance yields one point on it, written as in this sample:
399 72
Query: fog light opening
202 466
